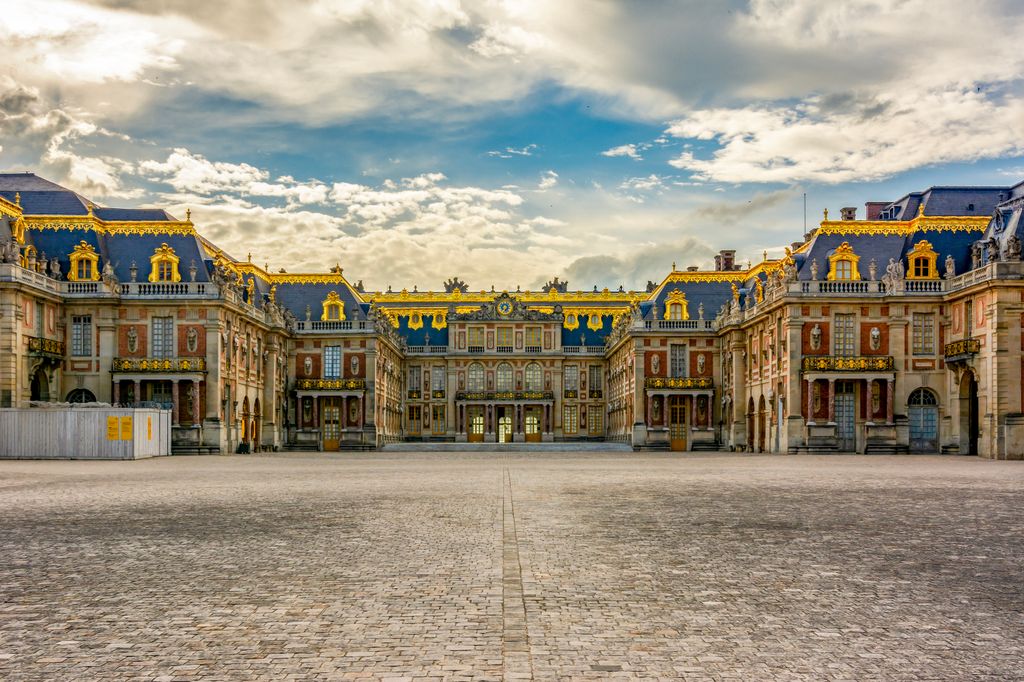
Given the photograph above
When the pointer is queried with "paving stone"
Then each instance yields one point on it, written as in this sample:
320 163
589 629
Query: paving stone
508 565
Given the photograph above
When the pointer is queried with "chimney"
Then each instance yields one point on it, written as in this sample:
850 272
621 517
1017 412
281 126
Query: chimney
848 212
874 209
725 260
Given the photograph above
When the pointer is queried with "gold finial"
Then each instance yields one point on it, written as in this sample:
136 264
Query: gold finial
17 198
920 210
266 267
765 254
250 256
188 215
673 266
90 207
826 214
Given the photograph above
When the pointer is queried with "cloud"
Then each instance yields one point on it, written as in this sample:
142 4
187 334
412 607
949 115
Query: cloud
633 266
629 150
644 184
548 179
510 152
811 142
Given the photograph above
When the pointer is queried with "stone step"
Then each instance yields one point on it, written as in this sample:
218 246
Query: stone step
508 447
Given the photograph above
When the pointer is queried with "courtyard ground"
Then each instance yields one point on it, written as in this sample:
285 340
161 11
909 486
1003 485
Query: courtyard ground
515 566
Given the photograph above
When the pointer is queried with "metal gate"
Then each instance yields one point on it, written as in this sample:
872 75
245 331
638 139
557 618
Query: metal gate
845 417
923 413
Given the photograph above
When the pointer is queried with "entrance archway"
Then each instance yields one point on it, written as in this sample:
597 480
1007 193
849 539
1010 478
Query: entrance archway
762 421
40 386
969 423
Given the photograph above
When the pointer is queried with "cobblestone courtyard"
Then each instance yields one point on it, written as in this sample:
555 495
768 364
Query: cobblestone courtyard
515 566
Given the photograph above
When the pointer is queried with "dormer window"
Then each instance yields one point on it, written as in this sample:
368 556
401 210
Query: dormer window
334 309
164 265
843 264
922 261
84 264
676 306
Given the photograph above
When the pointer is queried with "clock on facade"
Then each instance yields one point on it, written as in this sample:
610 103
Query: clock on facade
504 307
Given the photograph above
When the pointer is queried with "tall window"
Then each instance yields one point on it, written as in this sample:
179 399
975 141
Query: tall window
534 377
844 269
969 317
81 335
677 360
533 339
924 334
475 377
437 378
332 362
503 378
163 337
845 342
595 377
571 380
595 421
570 419
675 311
476 338
505 339
415 378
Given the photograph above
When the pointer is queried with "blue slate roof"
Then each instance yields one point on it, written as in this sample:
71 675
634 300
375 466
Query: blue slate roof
295 297
49 202
959 201
122 249
868 246
712 294
148 214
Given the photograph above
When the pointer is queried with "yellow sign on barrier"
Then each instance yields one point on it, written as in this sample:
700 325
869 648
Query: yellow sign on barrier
112 428
149 428
126 428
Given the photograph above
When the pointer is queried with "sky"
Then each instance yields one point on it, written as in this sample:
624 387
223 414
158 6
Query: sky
507 142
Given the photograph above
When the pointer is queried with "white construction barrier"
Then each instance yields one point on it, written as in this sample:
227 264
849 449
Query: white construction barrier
94 432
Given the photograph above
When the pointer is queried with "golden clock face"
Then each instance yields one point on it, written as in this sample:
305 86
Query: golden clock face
504 308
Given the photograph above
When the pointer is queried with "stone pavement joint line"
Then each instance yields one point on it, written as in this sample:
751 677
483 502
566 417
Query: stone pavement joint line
514 639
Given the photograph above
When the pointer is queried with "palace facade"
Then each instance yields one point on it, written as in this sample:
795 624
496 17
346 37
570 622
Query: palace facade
900 332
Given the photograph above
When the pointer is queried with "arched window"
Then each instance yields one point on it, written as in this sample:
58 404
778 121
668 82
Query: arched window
164 265
503 379
676 306
475 377
80 395
922 397
334 309
84 264
843 264
534 377
922 261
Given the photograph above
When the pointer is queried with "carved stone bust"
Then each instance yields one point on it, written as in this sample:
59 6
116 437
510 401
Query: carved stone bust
816 337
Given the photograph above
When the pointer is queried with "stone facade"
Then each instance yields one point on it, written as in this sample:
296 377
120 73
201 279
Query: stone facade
898 334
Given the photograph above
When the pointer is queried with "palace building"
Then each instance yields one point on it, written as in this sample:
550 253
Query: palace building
900 332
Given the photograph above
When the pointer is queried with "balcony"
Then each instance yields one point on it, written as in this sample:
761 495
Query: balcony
333 326
570 393
158 365
437 394
596 394
685 383
50 348
583 350
167 290
959 351
437 350
476 349
679 325
506 396
414 394
504 349
532 349
852 363
330 384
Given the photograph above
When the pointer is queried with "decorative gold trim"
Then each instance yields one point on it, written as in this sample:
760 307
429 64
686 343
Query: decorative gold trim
84 252
9 208
91 222
406 296
571 320
920 223
843 252
679 382
676 297
923 249
963 347
159 365
331 384
333 302
164 254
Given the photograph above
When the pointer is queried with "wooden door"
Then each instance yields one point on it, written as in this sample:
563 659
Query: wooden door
532 424
330 428
677 422
475 421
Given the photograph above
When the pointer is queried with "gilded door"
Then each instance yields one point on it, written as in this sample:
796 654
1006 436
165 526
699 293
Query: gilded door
532 424
475 421
677 422
330 411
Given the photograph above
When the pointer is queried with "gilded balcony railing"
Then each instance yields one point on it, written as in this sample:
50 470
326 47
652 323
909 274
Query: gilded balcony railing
159 365
679 382
41 346
961 348
331 384
852 363
504 395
